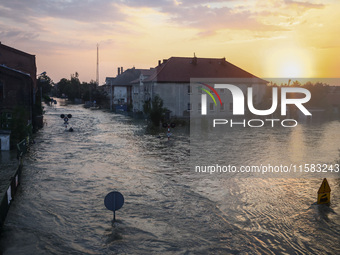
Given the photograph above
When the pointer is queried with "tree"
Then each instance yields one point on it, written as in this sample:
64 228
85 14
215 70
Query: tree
157 110
71 88
63 85
45 83
89 91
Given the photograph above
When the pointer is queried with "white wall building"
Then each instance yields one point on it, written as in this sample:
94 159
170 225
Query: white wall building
172 81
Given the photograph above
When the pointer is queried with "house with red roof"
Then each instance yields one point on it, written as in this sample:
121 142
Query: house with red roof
172 81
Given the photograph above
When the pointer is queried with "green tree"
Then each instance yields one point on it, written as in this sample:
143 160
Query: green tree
74 88
89 91
319 93
157 110
71 88
45 83
62 86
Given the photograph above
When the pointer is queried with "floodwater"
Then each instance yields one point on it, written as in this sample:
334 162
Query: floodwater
169 209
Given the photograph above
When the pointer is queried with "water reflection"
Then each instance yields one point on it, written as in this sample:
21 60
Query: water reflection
169 209
244 146
115 233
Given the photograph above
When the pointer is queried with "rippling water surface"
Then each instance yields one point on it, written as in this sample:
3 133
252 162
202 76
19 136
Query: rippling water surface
168 208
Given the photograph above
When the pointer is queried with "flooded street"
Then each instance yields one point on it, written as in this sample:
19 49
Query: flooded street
168 208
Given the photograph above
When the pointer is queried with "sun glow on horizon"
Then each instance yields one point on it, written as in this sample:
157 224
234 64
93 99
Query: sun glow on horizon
289 61
266 38
291 69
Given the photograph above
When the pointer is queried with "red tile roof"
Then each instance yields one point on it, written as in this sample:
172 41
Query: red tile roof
181 69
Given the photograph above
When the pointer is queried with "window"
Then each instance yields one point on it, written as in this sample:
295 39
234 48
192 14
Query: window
199 107
189 107
222 107
222 91
5 120
199 90
189 89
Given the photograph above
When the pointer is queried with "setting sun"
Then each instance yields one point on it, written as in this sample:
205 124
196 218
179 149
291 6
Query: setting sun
289 61
291 70
266 38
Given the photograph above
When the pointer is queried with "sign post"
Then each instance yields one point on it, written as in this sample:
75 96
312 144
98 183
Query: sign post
113 202
168 125
66 118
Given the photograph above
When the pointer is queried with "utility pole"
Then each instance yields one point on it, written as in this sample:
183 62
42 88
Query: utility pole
97 73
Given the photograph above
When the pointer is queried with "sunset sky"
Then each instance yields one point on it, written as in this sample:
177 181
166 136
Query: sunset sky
275 38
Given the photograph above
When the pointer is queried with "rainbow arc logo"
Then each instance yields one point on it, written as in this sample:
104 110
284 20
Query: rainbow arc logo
204 97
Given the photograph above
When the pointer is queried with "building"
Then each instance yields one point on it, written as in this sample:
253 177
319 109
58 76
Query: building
16 99
17 89
119 88
141 93
20 61
171 80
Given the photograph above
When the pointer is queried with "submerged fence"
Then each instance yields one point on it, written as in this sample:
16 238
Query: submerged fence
11 189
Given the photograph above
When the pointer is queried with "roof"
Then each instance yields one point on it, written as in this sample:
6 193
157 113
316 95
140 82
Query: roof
109 80
182 69
125 78
19 60
14 70
146 73
15 50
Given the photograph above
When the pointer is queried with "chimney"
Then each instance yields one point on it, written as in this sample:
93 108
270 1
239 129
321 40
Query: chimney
159 62
194 60
121 69
118 70
164 61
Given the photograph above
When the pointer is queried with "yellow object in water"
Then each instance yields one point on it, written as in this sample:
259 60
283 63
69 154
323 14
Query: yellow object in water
324 193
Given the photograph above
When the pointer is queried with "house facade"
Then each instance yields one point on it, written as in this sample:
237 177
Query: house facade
19 60
119 88
141 92
17 90
16 100
173 79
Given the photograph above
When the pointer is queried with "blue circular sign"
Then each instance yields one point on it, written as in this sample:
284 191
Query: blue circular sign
114 201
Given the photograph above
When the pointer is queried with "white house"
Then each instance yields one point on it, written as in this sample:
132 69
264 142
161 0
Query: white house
173 81
119 88
140 91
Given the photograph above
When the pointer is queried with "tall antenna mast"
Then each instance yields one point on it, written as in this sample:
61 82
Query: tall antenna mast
97 73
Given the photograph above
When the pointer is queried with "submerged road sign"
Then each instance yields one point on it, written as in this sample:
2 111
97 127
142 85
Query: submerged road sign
324 193
113 202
